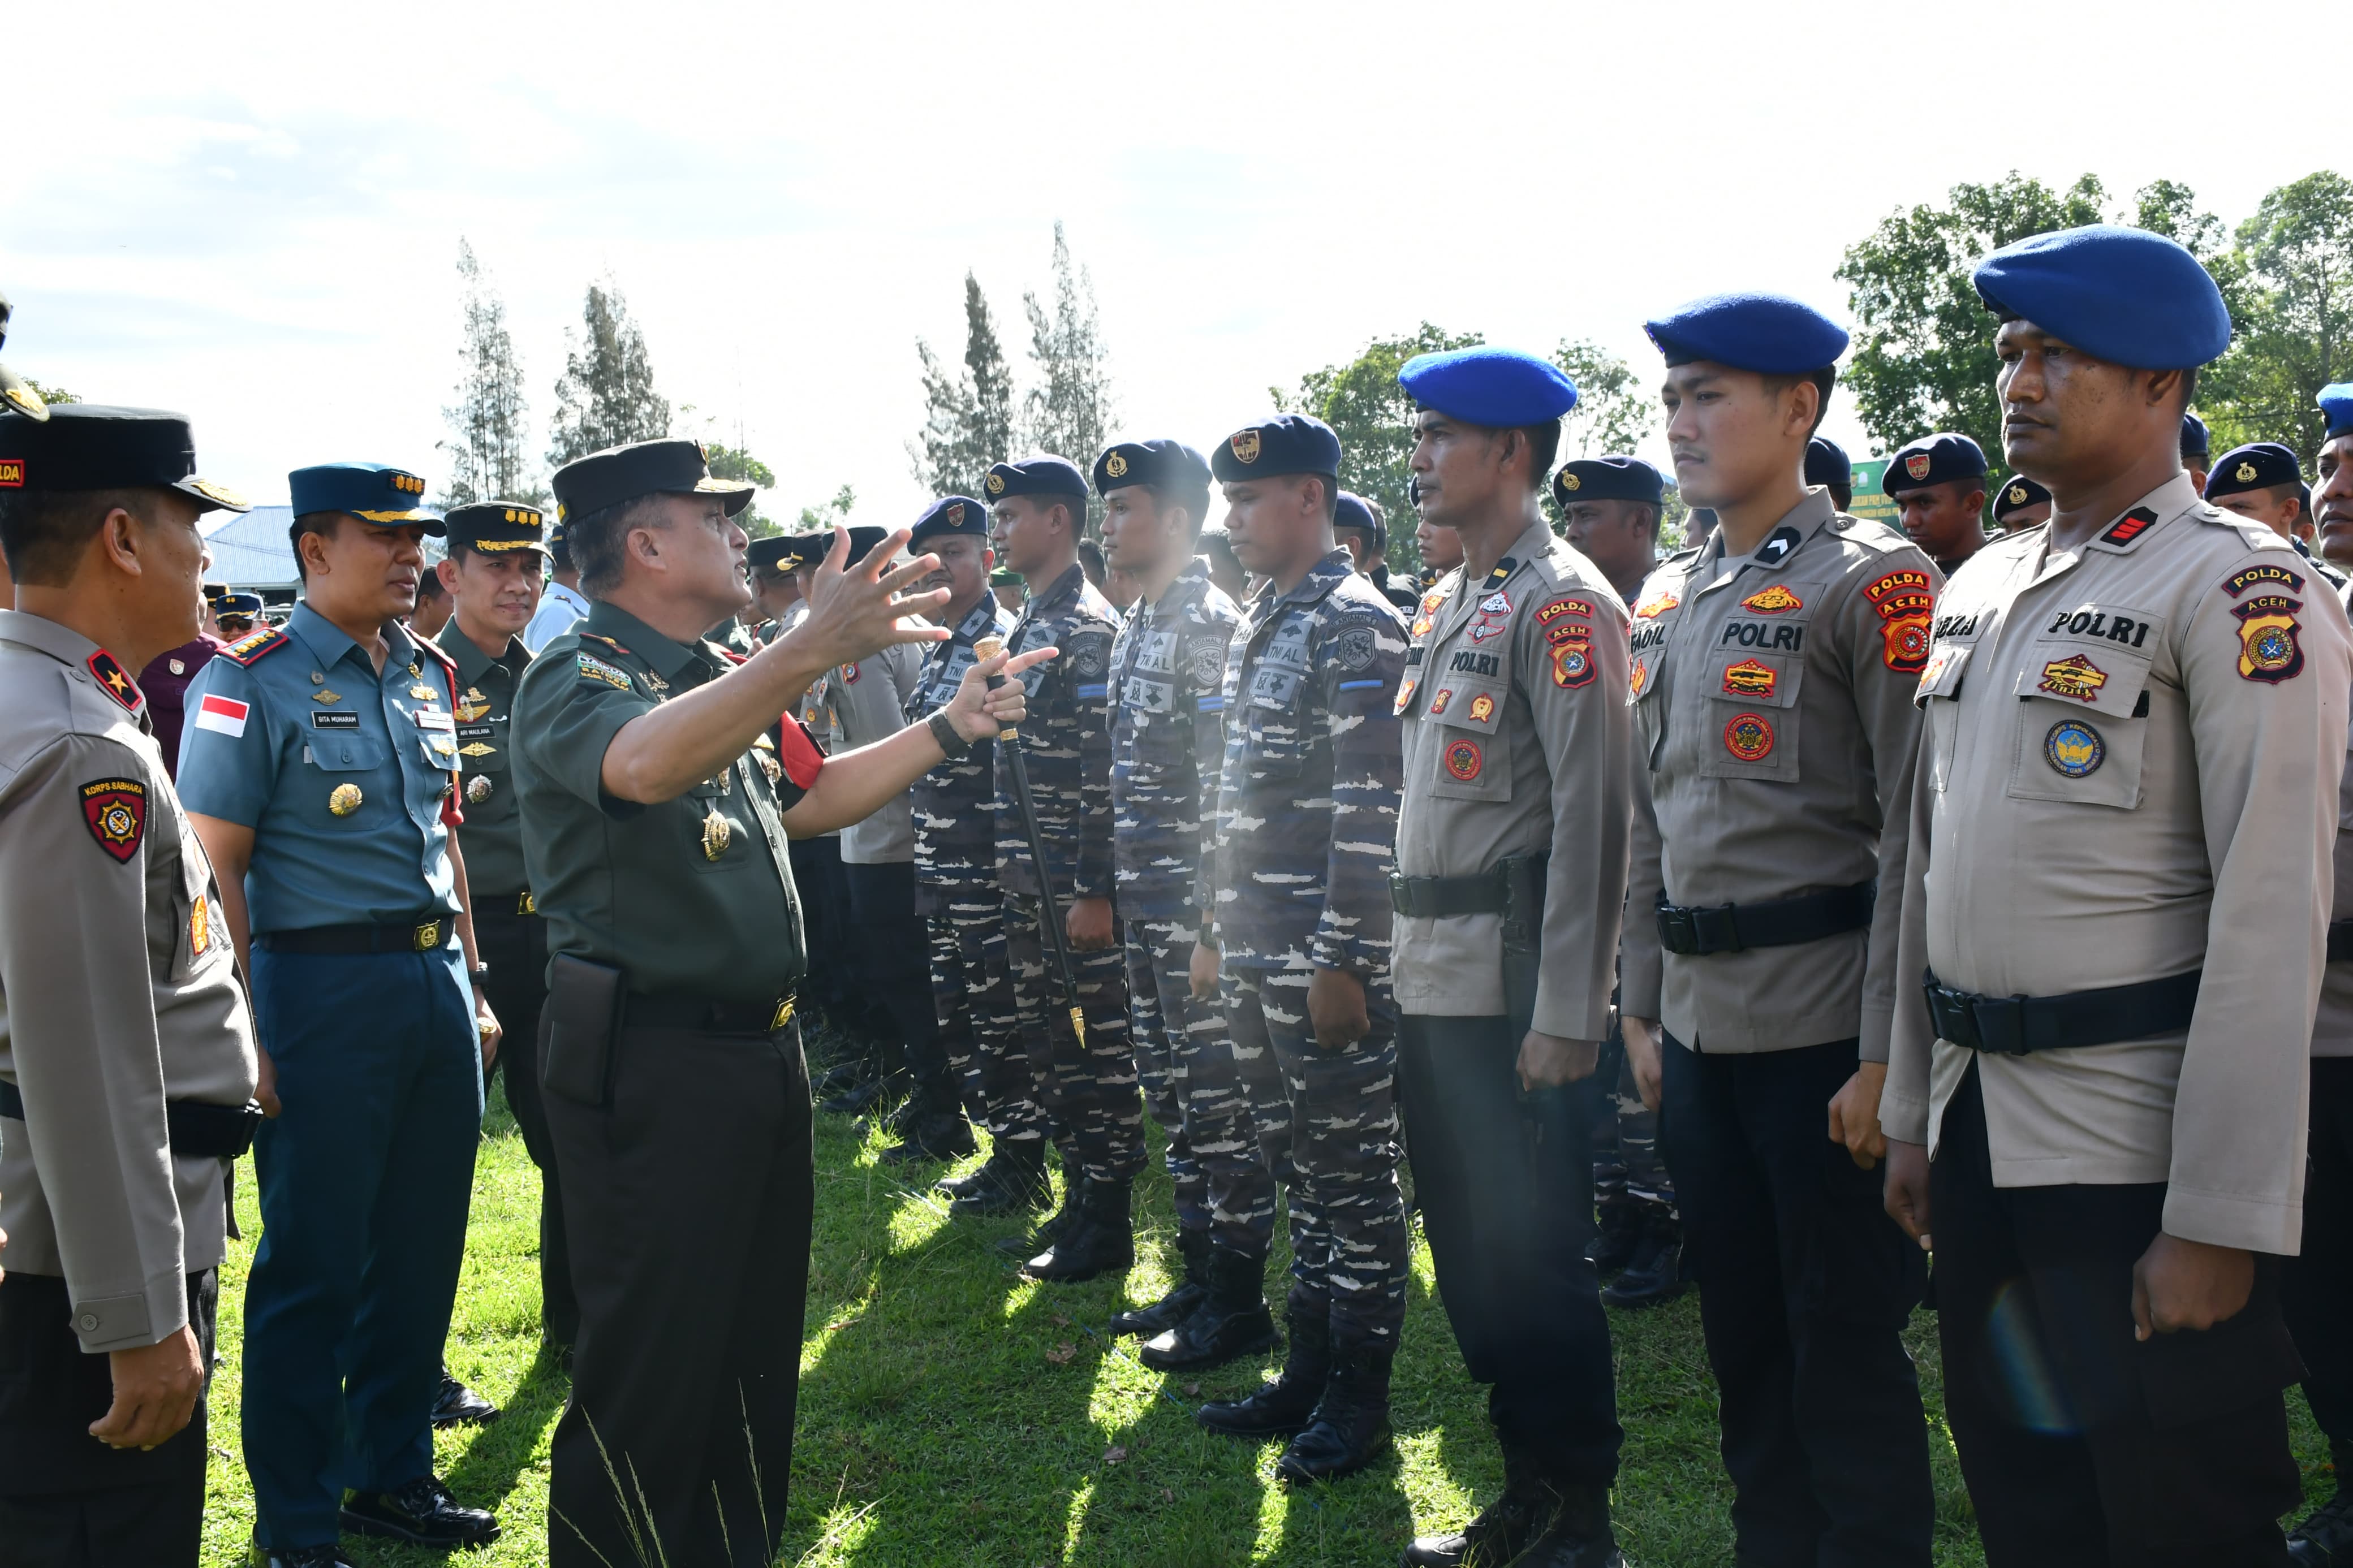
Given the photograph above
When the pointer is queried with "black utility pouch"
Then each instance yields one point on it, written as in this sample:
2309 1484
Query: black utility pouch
577 1030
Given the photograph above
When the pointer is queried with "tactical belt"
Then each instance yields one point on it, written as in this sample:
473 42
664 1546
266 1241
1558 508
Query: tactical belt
429 934
510 904
2015 1026
1487 892
670 1010
1784 922
197 1128
2341 940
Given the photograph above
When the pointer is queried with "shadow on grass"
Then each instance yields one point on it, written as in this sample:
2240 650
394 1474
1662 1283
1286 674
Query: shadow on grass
505 1448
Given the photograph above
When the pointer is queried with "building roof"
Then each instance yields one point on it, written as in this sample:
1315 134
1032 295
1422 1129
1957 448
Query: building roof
253 551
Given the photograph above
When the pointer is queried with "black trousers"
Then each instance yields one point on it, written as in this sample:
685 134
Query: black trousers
515 947
1805 1287
830 983
2081 1446
68 1500
891 950
1506 1190
697 1186
2316 1285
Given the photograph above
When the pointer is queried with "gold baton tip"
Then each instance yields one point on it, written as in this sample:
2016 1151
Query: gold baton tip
987 648
1079 1025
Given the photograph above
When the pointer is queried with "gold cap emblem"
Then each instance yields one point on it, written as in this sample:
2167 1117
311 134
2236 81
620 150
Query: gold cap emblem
2018 495
1115 465
1245 444
996 484
478 789
344 799
2245 473
1572 482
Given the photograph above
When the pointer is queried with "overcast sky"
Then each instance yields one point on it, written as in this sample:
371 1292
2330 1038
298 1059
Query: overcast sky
251 213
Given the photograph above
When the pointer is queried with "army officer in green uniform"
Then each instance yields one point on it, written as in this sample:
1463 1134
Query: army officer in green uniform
658 788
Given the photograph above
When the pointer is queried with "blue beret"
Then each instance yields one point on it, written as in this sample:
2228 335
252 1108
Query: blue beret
1827 463
1286 443
370 491
2257 466
1608 479
2123 295
1499 388
1931 461
1350 511
1770 333
2018 492
2195 442
1171 465
2336 402
959 517
1042 474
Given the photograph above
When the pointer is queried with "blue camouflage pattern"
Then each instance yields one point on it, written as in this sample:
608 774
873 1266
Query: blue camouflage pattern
1065 741
1167 735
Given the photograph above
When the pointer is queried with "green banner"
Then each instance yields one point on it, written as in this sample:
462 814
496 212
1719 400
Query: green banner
1869 499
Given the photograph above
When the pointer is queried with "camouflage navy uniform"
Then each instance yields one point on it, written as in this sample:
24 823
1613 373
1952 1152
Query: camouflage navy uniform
1167 738
1307 817
1066 742
956 893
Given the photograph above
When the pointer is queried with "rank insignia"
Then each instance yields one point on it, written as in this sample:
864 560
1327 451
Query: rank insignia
422 692
717 834
2074 676
2074 748
478 788
1748 737
2129 527
344 799
200 927
1438 703
1776 600
1483 708
1657 604
1750 677
1464 760
1638 680
478 749
247 649
2268 649
1572 664
115 810
115 681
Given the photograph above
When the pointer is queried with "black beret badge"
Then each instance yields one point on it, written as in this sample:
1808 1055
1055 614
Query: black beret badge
1246 444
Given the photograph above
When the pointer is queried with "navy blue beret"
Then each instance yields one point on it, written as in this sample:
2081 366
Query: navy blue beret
1286 443
2195 442
1771 335
950 517
1608 479
2257 466
1827 463
371 492
1931 461
2123 295
770 554
2337 403
1499 388
1169 465
1350 511
2018 492
1040 476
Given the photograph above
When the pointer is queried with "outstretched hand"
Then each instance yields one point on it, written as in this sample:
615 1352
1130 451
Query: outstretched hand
857 611
979 712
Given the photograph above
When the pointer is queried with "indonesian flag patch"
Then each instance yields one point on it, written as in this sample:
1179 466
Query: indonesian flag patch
116 812
224 714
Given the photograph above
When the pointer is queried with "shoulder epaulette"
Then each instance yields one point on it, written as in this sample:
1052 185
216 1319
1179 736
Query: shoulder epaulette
438 653
1870 535
251 647
608 642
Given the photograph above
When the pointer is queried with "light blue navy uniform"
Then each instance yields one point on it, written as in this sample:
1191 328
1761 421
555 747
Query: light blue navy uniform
361 997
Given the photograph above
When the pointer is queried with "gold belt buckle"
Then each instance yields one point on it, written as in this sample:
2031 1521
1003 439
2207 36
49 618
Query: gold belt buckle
783 1015
428 936
525 904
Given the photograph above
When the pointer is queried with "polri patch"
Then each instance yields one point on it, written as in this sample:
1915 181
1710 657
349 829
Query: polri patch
1748 737
1483 708
115 811
2269 650
1438 703
2074 748
1655 604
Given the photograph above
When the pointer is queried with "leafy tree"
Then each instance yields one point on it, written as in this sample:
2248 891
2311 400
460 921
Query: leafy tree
968 416
51 395
486 423
737 463
2295 318
826 513
1070 411
606 395
1613 411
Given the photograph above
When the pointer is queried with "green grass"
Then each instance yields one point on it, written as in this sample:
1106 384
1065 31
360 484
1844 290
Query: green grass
953 1413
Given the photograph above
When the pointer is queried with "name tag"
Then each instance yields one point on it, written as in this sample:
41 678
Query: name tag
427 719
334 720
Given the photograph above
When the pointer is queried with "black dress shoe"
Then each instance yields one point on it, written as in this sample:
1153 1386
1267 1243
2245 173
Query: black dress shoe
2325 1539
1655 1274
456 1405
424 1512
1619 1237
1177 1305
1230 1322
1100 1238
1280 1408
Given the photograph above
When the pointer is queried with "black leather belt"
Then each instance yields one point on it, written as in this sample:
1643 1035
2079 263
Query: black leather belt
428 934
671 1011
2341 940
197 1128
1488 892
2015 1026
495 905
1784 922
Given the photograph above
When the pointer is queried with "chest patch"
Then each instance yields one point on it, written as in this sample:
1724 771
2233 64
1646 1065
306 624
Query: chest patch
1750 678
1465 760
1655 605
1749 737
1776 600
2074 748
2076 677
596 668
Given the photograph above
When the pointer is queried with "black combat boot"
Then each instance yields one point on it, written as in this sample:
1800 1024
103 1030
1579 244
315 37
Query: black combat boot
1579 1535
1100 1238
1656 1273
1012 1180
1619 1237
1284 1406
1351 1423
1065 1215
1172 1309
2325 1540
1230 1322
1499 1532
941 1135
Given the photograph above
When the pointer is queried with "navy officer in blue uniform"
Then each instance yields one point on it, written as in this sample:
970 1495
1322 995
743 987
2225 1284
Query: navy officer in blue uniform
319 768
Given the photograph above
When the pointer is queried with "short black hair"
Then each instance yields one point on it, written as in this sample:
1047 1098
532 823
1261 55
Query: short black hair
428 584
44 533
1543 445
319 522
1196 502
1824 380
1090 554
596 538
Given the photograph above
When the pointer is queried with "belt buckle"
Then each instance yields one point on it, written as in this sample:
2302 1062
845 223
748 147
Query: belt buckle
428 936
1676 929
1713 930
783 1015
2001 1023
525 904
1399 900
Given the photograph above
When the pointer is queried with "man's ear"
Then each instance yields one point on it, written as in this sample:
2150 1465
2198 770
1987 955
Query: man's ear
446 570
119 537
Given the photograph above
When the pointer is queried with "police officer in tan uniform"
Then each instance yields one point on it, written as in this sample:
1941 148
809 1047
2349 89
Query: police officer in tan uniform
1509 883
1772 678
2118 883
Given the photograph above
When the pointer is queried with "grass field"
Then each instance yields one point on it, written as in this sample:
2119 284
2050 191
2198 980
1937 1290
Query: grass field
952 1413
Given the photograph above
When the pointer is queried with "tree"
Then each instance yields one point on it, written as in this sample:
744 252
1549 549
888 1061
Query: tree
1612 413
824 514
968 416
737 463
486 423
606 395
52 395
1070 410
2295 318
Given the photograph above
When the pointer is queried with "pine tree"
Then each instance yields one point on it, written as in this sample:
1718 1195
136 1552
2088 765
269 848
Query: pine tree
1070 412
606 395
487 422
968 414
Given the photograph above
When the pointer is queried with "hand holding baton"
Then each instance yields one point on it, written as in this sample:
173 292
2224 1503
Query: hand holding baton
1050 915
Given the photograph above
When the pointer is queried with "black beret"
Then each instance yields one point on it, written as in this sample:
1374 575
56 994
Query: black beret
2195 442
1170 464
768 556
811 549
496 527
1350 510
1044 475
620 473
1608 479
1827 463
2018 493
91 447
2255 466
1286 443
951 516
216 592
1931 461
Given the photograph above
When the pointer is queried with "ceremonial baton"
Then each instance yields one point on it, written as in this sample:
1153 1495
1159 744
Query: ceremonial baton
988 648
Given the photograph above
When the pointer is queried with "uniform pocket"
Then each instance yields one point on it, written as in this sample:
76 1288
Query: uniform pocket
1474 756
2083 718
1752 715
1939 693
1274 740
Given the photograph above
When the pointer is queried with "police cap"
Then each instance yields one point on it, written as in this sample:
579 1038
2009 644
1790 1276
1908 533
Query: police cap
1042 474
768 556
245 604
1608 479
1169 466
2123 295
373 492
950 517
2258 466
1827 463
2018 492
1771 335
1286 443
1350 510
91 447
811 549
620 473
1499 388
496 527
1931 461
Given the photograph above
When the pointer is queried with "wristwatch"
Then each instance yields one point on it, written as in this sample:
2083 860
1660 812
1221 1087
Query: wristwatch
951 741
478 974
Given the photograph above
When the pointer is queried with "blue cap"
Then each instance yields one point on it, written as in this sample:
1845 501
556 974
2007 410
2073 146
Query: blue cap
1771 335
2018 492
2123 295
1350 511
1608 479
1499 388
1827 463
245 604
1043 475
1166 464
1286 443
2195 442
2257 466
371 492
951 517
1931 461
2337 403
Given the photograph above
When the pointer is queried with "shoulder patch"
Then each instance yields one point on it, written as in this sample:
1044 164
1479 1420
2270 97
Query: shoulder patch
1548 613
2243 581
115 811
253 647
594 669
2129 527
1089 651
2269 651
1906 602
